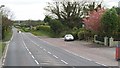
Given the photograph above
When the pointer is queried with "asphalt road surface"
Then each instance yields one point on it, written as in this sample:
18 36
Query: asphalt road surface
26 49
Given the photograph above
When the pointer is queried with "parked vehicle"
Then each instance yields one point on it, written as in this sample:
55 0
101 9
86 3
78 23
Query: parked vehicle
18 31
68 37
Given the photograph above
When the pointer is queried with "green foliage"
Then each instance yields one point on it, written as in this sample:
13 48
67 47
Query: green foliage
2 47
24 29
75 32
109 22
119 23
83 34
56 26
43 28
7 35
75 29
118 10
47 19
42 33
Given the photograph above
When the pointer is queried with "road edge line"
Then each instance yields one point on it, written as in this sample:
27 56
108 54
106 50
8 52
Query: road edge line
6 50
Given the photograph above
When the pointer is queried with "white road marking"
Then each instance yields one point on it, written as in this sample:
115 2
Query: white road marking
3 60
68 52
41 47
78 55
49 52
32 41
55 56
44 49
36 62
64 62
100 64
25 47
33 57
29 51
85 58
6 50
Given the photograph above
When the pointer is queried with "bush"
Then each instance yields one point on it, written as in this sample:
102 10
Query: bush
56 26
75 35
25 29
75 32
43 28
83 34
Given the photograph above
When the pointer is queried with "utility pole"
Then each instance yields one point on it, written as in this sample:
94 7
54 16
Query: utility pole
1 20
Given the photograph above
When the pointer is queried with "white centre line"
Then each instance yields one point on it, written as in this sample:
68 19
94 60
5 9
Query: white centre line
27 49
64 62
33 57
49 52
41 47
55 56
36 62
44 49
30 52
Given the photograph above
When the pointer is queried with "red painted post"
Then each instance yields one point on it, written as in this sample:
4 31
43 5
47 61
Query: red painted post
117 52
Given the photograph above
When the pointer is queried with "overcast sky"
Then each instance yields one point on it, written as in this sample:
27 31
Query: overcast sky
34 9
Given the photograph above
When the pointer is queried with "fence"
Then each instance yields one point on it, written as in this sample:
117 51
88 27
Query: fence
106 41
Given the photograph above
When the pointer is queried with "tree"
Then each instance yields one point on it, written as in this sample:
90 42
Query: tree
47 19
109 22
68 13
119 23
6 20
93 21
118 10
56 26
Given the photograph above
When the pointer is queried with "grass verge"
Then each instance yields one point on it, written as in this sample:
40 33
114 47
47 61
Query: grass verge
2 47
8 35
42 33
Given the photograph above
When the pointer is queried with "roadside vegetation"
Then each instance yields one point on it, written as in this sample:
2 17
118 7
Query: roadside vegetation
80 18
8 35
43 30
6 27
2 47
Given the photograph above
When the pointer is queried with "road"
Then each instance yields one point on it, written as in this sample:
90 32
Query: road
26 49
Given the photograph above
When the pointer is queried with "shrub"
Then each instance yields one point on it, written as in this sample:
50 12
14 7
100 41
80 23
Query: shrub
43 28
83 34
56 26
75 32
75 35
